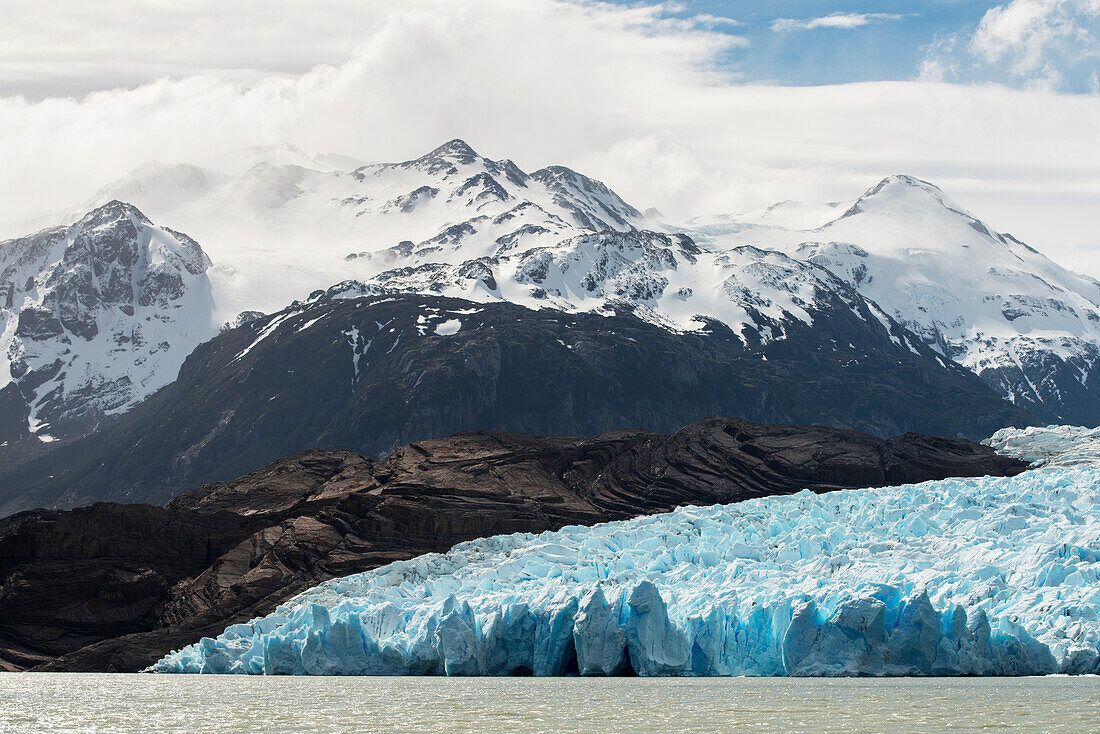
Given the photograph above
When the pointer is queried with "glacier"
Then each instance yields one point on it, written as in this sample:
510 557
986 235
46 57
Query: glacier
1049 446
977 576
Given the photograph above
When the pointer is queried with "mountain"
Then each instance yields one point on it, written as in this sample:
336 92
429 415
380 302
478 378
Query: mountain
290 224
369 373
94 317
280 225
129 300
285 225
1027 326
158 578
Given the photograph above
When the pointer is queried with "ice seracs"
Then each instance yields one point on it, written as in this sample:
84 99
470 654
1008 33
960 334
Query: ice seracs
1050 446
956 577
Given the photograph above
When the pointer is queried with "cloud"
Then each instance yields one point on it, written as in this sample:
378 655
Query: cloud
707 20
1033 34
623 93
1040 43
57 47
835 20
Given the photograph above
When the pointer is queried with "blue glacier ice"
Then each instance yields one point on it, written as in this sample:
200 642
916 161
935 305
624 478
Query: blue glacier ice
977 576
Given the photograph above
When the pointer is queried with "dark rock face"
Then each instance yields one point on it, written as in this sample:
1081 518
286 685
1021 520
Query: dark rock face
372 373
115 587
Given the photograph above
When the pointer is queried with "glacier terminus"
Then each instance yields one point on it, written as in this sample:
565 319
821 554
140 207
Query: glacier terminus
976 576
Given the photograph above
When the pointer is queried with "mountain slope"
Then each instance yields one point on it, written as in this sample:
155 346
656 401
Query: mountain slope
369 374
94 317
1029 327
454 223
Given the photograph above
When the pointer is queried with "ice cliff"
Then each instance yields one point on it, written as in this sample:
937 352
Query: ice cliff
961 576
1052 446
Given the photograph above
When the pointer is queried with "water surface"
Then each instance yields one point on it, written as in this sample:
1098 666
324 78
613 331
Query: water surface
100 703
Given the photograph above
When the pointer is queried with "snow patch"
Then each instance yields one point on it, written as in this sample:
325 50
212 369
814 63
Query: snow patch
448 327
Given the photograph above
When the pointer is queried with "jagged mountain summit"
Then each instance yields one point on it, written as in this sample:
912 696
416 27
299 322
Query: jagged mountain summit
94 317
1029 327
289 224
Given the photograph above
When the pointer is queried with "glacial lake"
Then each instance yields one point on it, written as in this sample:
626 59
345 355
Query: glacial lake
76 702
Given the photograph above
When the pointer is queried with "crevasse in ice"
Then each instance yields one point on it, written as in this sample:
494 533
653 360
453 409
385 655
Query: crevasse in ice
961 576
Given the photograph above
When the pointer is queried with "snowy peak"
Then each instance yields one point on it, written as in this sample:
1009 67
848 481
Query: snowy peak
902 195
284 227
761 296
1026 325
917 217
97 315
592 205
454 222
902 185
113 213
457 150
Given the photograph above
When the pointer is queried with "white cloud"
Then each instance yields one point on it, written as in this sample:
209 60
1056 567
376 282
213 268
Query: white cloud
1039 43
61 47
622 93
1033 33
707 20
835 20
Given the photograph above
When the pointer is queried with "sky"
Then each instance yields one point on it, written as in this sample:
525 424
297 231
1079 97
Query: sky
695 107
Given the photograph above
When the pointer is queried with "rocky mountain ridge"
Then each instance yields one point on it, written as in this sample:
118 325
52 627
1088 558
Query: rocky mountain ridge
455 223
1029 327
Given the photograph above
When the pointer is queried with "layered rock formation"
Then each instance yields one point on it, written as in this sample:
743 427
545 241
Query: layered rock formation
115 587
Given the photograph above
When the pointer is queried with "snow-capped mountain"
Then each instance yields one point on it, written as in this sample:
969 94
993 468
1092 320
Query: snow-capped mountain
665 279
287 224
279 225
1029 327
94 317
455 223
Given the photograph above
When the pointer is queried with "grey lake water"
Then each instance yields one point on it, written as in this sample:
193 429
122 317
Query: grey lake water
101 703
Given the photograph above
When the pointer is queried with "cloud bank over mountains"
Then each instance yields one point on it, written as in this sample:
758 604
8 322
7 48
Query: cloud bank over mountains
629 94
